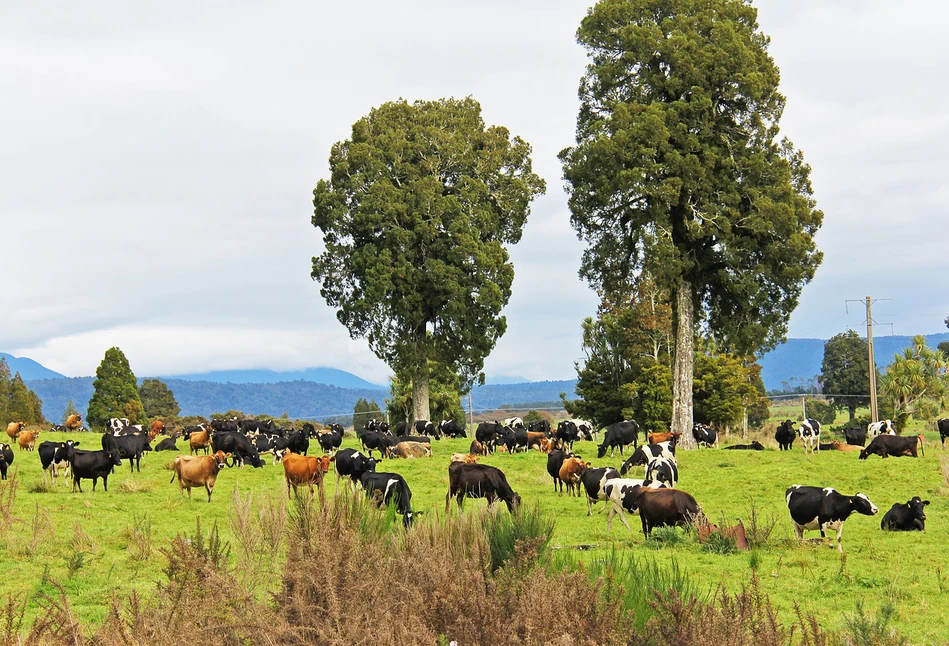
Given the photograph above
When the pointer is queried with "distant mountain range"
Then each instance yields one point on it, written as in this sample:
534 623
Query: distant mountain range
29 369
329 376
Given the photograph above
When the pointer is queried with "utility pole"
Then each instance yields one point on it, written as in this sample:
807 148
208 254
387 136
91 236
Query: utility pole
874 413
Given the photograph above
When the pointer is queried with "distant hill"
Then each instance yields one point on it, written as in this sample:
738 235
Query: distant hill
28 368
328 376
490 397
800 359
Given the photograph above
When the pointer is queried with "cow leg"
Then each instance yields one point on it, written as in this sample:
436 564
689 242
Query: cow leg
799 532
646 528
288 490
590 507
840 532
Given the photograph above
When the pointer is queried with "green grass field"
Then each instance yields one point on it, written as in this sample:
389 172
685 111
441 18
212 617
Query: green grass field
101 544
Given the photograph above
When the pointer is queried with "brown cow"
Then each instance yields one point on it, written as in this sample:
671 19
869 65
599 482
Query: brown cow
837 446
661 507
886 445
305 470
547 445
570 472
15 427
477 448
157 429
27 439
467 458
535 440
200 440
410 450
656 438
197 471
74 423
705 529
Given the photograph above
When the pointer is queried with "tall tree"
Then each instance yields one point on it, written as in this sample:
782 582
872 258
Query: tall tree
916 383
115 391
845 371
6 382
444 396
158 400
20 406
420 204
678 161
723 389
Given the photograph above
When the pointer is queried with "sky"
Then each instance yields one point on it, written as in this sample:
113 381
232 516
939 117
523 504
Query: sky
158 162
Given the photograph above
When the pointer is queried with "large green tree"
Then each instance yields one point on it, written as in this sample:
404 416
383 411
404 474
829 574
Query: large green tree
364 411
158 400
678 161
444 394
115 391
915 384
845 371
419 206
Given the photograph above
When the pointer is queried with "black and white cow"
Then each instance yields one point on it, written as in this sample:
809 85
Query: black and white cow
822 508
943 427
487 434
425 427
330 441
6 459
352 463
810 435
785 435
619 435
514 422
586 429
883 427
646 453
663 470
594 483
704 435
55 456
906 517
450 428
388 488
116 425
376 441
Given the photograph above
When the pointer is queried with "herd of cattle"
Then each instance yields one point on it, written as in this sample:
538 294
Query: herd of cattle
655 497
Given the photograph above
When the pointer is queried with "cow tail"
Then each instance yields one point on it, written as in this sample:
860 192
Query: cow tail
919 438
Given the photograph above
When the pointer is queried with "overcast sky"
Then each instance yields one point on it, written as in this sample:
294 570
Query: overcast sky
158 162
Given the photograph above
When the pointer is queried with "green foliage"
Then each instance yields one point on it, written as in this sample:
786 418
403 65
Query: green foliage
823 412
17 402
421 201
915 383
845 371
663 537
651 397
722 389
865 629
444 397
529 526
116 391
70 410
364 411
158 401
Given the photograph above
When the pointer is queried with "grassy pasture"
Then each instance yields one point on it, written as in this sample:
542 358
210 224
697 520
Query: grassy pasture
119 533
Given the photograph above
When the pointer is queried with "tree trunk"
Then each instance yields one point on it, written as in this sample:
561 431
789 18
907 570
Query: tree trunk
684 331
420 403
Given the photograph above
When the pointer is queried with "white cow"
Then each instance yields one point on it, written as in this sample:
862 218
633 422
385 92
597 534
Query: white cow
883 427
810 435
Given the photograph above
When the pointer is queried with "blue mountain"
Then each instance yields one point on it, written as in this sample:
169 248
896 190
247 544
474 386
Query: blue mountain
328 376
28 368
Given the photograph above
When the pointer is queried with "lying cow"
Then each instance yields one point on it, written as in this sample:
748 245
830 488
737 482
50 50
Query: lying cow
837 446
887 445
409 450
754 446
906 517
820 508
197 471
468 458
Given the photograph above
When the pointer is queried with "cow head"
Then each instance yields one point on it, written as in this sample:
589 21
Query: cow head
862 505
916 506
115 458
514 503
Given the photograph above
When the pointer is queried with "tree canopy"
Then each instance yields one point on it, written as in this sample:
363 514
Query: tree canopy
116 391
915 384
415 216
158 400
678 163
845 371
17 402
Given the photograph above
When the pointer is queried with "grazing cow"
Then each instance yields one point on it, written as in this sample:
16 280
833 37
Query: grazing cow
659 438
754 446
387 488
704 435
425 427
409 450
129 447
594 482
837 446
619 494
167 444
13 428
646 454
6 459
238 446
887 445
55 456
479 481
785 435
450 428
810 435
823 508
352 463
663 470
506 440
470 458
943 427
477 448
158 427
906 517
197 471
330 441
661 507
571 470
92 465
26 440
567 433
305 470
619 435
57 428
200 439
487 434
514 422
883 427
856 436
74 423
554 461
376 441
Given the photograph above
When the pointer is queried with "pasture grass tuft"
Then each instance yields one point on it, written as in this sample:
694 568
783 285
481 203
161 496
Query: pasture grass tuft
872 629
663 537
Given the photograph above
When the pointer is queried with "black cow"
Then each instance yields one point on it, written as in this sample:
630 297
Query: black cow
450 428
554 461
239 446
297 442
225 425
507 438
331 441
6 459
376 441
646 453
856 436
567 433
129 447
352 463
887 445
823 508
754 446
785 435
704 435
92 465
479 481
55 456
619 435
167 444
400 429
943 427
425 427
487 434
594 483
910 516
543 426
388 488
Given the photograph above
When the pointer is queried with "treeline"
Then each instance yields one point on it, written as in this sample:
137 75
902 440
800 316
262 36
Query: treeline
18 403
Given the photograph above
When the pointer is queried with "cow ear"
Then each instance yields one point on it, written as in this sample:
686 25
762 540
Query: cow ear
925 502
